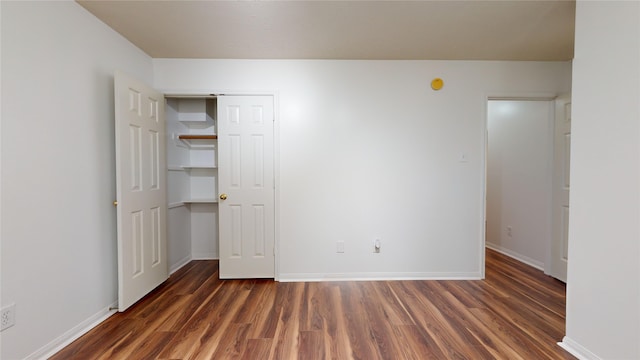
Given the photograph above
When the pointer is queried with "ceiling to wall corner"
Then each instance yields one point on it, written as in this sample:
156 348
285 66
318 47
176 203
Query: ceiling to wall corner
541 30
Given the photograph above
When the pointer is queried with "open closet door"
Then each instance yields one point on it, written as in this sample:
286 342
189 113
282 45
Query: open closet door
141 189
246 186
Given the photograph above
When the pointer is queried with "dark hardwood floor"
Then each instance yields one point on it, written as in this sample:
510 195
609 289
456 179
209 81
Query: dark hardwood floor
515 313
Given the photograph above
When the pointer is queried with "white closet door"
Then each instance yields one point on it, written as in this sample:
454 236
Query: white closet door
246 186
141 189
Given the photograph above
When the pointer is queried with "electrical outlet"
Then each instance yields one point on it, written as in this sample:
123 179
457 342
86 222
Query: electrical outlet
7 316
509 231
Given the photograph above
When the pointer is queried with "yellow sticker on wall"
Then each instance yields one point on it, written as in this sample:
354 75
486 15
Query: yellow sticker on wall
437 84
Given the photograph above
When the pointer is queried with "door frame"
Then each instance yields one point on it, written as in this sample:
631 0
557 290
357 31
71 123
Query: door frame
485 143
276 151
556 225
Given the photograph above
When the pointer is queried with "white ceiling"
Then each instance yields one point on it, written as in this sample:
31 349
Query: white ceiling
540 30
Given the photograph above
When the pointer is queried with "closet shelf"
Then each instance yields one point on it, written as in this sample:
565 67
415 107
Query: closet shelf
201 201
196 141
192 201
189 167
197 137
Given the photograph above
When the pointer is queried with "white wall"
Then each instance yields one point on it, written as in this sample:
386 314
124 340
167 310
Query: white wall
519 170
603 291
58 221
179 245
367 150
204 231
178 189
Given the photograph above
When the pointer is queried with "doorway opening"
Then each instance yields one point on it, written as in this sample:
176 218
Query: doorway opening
527 180
519 175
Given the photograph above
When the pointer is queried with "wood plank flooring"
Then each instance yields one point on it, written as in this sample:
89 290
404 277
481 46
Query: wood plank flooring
515 313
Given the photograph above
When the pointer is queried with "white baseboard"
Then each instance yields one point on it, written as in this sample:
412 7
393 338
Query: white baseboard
177 266
204 256
577 350
74 333
512 254
313 277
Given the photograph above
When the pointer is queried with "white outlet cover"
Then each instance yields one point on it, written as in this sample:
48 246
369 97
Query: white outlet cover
7 317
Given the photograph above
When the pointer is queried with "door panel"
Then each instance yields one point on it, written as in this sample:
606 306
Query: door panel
141 189
245 169
561 189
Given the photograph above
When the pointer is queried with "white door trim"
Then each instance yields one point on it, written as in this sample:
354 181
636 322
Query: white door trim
557 267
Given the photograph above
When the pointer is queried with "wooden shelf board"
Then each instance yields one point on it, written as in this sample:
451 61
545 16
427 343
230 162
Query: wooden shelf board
197 137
